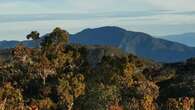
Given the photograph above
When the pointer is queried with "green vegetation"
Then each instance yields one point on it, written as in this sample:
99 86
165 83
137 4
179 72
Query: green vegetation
33 35
59 76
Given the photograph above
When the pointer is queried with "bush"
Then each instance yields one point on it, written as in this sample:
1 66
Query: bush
10 97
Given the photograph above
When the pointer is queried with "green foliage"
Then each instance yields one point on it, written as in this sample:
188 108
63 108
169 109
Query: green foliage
58 36
70 87
159 75
100 97
10 98
141 96
143 88
33 35
61 35
115 70
43 68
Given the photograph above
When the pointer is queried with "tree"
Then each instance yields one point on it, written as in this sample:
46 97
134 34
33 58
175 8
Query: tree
115 70
145 103
100 97
141 96
43 68
46 104
60 35
21 54
10 98
55 38
34 35
182 103
70 87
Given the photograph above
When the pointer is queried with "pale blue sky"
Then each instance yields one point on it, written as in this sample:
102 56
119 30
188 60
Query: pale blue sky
156 17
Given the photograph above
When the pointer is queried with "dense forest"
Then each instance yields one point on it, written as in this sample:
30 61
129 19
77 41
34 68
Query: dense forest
57 75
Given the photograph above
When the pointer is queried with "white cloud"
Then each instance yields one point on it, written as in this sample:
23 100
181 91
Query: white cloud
176 5
45 6
90 6
162 23
156 25
18 7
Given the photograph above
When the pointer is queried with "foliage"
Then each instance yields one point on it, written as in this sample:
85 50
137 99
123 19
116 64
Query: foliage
146 103
57 36
142 89
115 70
10 98
21 54
33 35
100 97
182 103
46 104
70 87
59 76
141 96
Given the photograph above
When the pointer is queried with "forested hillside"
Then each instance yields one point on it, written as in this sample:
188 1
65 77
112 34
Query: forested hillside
61 76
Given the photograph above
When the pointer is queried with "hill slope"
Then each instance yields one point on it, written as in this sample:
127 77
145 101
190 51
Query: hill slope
186 38
138 43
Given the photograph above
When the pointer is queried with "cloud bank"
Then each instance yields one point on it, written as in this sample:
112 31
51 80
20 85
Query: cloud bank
157 17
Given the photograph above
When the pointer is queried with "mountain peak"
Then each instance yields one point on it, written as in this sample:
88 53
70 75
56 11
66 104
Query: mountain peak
138 43
111 27
105 28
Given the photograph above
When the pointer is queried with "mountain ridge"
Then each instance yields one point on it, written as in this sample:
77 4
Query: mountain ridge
185 38
137 43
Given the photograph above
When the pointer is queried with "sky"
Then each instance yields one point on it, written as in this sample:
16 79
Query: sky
155 17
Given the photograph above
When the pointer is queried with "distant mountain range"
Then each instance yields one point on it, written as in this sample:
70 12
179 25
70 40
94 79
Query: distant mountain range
138 43
11 44
186 38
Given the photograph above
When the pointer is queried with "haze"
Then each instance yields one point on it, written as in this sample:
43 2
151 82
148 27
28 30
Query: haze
156 17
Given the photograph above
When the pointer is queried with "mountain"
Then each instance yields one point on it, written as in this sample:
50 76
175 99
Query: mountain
11 44
8 44
186 38
94 77
138 43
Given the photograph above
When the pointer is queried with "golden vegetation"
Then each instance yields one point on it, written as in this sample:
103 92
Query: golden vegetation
58 76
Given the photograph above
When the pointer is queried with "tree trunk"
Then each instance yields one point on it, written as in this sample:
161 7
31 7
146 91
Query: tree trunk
2 104
44 81
70 107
